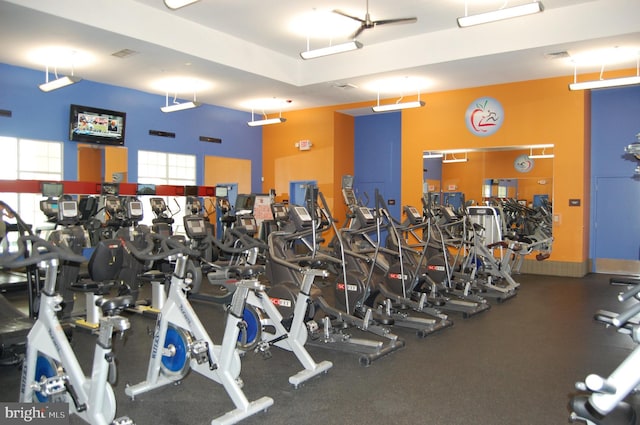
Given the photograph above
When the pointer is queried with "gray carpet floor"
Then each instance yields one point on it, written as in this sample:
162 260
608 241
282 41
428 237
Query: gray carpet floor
514 364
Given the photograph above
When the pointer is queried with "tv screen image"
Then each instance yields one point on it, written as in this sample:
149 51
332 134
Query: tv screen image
96 125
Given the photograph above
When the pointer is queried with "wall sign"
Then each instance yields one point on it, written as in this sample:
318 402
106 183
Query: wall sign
484 116
523 164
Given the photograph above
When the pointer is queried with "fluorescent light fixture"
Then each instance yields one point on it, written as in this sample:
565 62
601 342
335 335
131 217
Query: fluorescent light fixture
500 14
453 159
177 4
266 122
175 106
599 84
180 106
59 83
331 50
397 106
540 156
428 155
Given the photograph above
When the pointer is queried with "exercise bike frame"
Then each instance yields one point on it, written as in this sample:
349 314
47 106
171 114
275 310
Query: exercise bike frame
219 363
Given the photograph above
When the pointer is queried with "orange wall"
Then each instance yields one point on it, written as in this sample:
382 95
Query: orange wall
89 163
536 112
115 161
330 157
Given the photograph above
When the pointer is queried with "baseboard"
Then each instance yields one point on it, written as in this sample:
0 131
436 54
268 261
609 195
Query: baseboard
555 268
614 266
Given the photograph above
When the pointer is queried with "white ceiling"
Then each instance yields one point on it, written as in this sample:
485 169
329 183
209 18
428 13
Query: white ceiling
245 48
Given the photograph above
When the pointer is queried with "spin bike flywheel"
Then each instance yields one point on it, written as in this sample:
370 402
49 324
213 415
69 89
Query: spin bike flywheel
46 367
176 345
251 331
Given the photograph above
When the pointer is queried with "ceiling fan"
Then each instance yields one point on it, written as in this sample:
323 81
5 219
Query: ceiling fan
367 23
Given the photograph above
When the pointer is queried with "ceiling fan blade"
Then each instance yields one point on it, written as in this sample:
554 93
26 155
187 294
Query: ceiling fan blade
346 15
396 21
358 31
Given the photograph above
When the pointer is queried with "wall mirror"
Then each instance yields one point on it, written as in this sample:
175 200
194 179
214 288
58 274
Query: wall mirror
479 175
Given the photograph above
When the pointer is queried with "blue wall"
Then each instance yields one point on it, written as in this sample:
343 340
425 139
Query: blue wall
377 142
45 116
615 192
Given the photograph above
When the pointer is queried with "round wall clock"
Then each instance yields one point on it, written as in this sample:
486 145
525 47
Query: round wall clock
523 164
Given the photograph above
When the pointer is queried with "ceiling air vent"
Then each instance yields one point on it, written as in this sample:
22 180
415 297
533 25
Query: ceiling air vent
124 53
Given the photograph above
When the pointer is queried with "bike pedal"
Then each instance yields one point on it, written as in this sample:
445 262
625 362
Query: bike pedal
200 351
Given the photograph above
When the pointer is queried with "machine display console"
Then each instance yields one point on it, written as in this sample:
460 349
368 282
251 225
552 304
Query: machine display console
158 205
349 197
112 204
195 227
413 215
249 223
68 209
135 210
301 217
365 216
279 212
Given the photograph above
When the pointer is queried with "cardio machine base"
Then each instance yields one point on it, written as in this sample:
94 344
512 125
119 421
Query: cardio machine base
581 411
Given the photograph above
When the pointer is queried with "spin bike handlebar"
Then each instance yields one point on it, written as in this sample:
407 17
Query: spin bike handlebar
41 250
168 248
247 241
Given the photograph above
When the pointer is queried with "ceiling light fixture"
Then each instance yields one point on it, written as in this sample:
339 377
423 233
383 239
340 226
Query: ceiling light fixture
540 156
265 121
177 4
428 155
58 83
602 83
398 105
500 14
453 158
177 106
331 50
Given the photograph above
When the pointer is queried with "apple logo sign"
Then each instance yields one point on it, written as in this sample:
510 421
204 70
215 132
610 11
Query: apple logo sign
484 116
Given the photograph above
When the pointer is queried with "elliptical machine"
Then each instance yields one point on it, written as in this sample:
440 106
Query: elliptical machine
299 233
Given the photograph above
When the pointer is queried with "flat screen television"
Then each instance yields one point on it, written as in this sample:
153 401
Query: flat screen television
96 125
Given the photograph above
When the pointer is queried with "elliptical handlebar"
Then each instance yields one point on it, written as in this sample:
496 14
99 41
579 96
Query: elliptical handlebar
41 250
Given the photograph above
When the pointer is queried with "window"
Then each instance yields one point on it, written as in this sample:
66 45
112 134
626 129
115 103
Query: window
162 168
26 159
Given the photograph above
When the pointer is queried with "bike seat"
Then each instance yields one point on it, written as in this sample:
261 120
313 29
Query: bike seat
98 288
110 306
623 414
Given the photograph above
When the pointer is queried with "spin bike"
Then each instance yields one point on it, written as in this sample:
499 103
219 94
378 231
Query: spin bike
181 342
51 371
263 324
